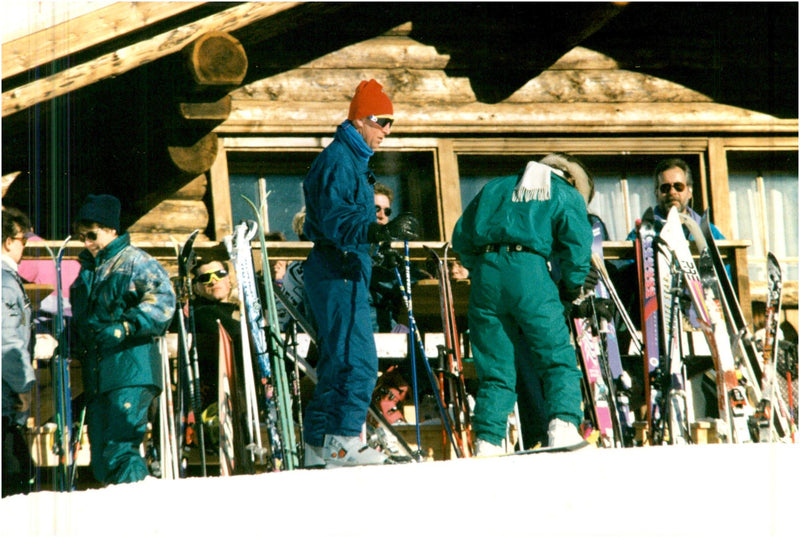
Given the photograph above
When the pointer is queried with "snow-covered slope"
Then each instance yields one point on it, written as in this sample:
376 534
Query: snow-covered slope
712 490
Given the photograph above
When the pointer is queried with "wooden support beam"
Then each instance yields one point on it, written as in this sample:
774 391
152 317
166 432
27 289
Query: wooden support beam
216 112
136 55
216 59
196 158
81 33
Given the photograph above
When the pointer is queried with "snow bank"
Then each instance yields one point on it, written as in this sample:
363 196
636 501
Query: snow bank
727 490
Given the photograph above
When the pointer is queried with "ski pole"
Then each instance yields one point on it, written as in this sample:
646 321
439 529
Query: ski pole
414 334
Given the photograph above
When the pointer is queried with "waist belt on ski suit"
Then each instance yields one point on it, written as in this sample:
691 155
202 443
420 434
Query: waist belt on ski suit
496 248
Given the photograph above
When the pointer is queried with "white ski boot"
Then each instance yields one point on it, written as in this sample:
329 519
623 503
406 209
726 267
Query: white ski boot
484 448
562 433
313 457
341 451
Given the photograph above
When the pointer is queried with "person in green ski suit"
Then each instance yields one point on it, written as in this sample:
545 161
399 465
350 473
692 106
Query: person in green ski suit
121 301
505 238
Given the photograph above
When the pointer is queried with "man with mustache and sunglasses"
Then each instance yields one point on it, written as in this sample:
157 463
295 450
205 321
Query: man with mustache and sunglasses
121 301
341 222
673 188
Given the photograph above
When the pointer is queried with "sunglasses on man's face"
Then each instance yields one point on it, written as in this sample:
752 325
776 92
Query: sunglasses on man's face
386 210
210 277
91 235
665 188
381 121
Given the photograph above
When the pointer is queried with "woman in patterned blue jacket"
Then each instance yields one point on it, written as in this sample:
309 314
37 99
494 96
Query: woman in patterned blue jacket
121 301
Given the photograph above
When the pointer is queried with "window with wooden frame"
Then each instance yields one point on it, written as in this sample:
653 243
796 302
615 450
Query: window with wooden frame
764 207
258 168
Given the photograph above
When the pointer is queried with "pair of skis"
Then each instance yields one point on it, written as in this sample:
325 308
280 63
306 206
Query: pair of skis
187 347
451 367
63 445
607 384
262 326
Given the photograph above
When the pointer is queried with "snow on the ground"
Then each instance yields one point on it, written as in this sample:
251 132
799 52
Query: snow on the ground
710 490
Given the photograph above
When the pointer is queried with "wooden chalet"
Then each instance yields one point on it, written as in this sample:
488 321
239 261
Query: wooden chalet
179 108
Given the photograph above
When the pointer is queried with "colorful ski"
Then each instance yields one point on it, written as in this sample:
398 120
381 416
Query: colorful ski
703 287
675 391
769 393
616 377
188 338
62 386
277 353
598 393
648 302
225 404
238 246
453 367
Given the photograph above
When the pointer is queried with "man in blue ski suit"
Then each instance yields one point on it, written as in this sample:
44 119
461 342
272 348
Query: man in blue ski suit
505 238
121 301
340 220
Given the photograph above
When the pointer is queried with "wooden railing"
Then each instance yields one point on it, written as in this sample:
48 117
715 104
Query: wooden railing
734 253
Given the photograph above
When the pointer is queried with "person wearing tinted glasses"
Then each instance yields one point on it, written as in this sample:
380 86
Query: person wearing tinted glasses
212 300
18 374
673 188
341 222
121 301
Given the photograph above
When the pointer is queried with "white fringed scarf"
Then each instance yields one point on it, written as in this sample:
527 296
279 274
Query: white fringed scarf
534 184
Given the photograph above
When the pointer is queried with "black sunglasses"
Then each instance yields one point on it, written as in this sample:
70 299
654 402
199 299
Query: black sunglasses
387 211
381 121
665 188
206 277
91 235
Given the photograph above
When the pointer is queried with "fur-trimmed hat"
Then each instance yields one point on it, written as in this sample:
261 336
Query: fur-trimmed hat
574 172
369 100
102 209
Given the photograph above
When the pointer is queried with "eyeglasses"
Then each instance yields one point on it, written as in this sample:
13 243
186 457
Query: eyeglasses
91 235
381 121
665 188
210 277
386 210
22 238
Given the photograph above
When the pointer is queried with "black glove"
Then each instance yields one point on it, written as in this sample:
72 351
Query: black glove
403 227
591 280
603 307
388 258
111 335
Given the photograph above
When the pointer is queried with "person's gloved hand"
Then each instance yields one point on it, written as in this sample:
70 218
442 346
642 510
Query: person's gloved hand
111 335
589 284
387 257
403 227
603 307
591 280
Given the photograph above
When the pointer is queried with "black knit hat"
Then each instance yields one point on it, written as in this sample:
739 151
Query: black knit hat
103 209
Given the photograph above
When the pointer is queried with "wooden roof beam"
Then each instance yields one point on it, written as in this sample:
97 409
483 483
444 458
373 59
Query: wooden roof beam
136 55
81 33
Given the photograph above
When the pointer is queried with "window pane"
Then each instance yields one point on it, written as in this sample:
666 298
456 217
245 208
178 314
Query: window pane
283 174
765 214
409 174
609 202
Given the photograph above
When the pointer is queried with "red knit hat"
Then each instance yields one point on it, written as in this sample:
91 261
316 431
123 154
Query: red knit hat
370 100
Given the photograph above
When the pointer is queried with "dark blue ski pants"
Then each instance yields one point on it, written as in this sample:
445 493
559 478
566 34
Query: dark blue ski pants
348 363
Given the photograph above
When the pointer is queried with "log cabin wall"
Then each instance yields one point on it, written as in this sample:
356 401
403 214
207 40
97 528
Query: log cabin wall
584 103
468 93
